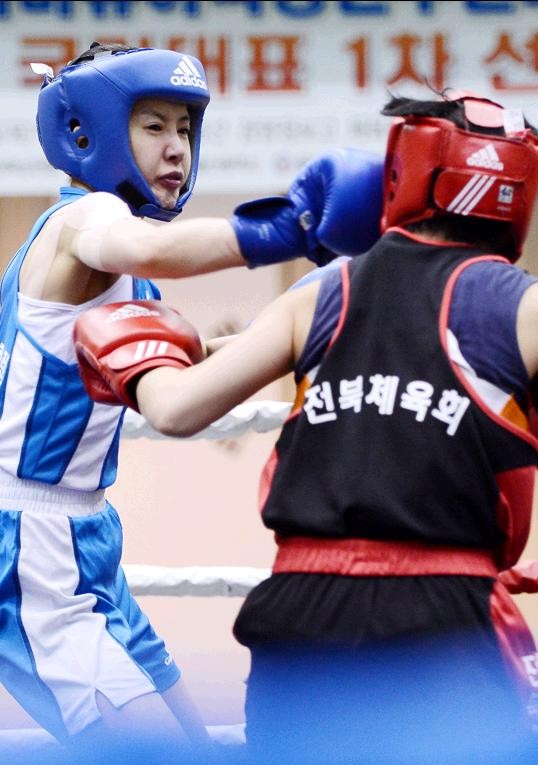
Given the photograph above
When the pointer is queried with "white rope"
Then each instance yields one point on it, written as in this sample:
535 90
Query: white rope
202 581
197 581
259 416
205 581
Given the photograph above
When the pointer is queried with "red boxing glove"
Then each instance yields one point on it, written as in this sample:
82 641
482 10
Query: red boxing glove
523 577
116 343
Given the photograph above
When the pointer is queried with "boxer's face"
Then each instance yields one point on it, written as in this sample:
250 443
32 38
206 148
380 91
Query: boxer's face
159 134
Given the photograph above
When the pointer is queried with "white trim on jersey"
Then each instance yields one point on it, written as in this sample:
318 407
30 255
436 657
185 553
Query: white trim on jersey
494 397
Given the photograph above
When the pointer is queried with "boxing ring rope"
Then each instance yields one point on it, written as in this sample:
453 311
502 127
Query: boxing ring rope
195 581
259 416
205 581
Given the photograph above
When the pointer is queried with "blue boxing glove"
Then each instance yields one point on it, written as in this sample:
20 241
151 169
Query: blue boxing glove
332 208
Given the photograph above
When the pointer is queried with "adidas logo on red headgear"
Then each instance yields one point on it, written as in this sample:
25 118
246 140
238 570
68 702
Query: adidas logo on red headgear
486 157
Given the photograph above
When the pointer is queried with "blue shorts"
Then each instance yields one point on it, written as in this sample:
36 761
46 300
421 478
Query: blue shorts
69 626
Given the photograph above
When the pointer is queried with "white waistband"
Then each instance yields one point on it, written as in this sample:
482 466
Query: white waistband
37 497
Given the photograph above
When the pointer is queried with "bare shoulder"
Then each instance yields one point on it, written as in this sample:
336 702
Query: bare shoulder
297 301
304 313
293 311
98 208
527 328
528 306
52 270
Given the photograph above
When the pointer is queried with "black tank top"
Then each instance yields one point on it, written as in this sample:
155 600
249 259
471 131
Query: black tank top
390 443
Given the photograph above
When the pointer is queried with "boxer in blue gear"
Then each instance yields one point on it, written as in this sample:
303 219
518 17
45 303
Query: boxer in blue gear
76 651
125 125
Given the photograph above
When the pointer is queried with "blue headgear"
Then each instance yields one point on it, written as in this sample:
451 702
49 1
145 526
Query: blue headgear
83 119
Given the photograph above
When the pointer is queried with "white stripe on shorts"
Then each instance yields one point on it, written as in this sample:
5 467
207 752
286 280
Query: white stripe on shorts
74 654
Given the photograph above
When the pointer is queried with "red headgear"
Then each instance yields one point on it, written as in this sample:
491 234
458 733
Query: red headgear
433 167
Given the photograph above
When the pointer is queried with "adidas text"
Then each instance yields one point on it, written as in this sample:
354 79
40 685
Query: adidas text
130 311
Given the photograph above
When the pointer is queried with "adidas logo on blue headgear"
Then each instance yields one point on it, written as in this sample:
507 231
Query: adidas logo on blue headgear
186 75
83 119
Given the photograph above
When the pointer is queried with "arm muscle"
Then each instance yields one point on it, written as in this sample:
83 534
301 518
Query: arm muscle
181 403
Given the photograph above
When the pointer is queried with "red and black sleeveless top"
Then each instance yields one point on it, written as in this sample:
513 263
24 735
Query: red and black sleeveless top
391 442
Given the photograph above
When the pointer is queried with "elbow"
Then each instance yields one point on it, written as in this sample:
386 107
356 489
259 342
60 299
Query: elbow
170 424
168 402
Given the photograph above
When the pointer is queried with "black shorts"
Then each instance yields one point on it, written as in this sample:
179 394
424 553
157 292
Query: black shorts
378 669
353 611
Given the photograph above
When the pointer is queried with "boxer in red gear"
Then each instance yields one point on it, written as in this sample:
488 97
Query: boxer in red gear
402 482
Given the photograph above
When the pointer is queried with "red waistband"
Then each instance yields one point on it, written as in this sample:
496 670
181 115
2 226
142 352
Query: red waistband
372 557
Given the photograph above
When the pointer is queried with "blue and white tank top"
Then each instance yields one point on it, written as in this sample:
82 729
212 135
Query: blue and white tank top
50 430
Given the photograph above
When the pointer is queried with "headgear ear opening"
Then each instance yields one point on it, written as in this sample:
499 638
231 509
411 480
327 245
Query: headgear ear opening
83 119
434 167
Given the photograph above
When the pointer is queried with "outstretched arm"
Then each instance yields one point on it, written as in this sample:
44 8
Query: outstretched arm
138 247
180 403
332 207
